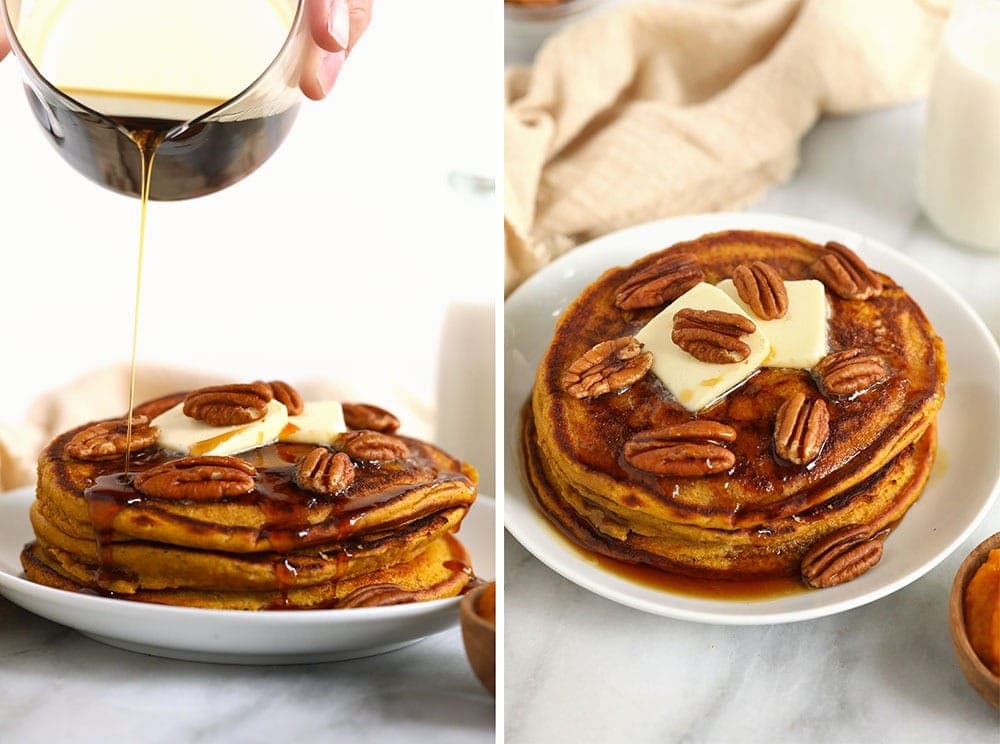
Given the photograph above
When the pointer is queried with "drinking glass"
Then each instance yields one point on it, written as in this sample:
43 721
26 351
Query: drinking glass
959 185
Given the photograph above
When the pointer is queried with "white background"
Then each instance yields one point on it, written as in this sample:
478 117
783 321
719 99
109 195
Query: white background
346 258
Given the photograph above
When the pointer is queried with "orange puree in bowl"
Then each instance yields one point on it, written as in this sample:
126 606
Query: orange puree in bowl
486 607
982 612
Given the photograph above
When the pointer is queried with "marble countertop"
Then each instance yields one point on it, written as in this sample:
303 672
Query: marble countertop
60 686
581 668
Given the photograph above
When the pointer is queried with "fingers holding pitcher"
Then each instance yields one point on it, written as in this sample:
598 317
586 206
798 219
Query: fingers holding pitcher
335 27
4 44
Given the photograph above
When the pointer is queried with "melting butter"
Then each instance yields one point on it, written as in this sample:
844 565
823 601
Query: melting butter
319 423
799 339
693 382
181 433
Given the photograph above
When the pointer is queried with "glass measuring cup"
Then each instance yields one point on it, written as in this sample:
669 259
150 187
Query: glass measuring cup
199 154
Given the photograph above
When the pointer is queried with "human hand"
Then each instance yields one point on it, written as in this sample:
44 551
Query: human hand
4 46
336 26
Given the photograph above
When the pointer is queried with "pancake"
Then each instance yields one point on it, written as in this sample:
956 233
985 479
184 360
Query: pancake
150 565
758 517
272 543
438 572
276 516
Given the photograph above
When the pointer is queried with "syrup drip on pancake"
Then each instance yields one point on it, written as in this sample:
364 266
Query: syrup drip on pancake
286 508
381 595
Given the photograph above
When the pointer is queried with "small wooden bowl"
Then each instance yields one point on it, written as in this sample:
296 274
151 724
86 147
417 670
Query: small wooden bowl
480 636
982 679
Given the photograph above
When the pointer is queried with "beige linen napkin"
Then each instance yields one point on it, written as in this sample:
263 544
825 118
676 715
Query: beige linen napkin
659 109
104 394
97 395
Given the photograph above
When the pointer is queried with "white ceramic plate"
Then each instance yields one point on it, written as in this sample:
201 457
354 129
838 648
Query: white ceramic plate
962 487
231 636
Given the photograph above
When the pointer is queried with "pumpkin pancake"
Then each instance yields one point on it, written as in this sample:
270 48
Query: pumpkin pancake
275 516
440 571
757 517
151 565
282 524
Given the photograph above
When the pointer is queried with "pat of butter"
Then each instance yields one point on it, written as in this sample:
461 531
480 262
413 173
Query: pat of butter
319 423
798 340
184 434
693 382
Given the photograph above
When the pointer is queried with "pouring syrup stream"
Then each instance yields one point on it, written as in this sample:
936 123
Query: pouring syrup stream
147 140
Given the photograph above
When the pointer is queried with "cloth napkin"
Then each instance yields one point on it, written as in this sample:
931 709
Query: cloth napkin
104 394
658 109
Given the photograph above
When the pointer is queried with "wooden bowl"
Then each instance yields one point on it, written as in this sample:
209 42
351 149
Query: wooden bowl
982 679
480 636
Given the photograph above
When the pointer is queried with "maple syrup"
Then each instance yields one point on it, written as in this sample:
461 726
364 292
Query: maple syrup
664 581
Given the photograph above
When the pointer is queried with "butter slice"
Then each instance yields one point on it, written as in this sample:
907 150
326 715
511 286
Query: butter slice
189 436
798 340
319 423
693 382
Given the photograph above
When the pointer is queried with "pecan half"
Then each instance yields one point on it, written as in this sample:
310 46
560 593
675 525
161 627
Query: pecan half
661 282
197 479
841 556
761 287
108 439
801 428
611 366
229 405
851 371
689 449
288 396
712 335
845 274
372 445
324 471
365 416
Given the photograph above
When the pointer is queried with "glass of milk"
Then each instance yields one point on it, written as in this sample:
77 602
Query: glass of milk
960 170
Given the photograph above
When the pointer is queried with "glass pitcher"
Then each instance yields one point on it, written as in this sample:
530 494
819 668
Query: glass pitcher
200 154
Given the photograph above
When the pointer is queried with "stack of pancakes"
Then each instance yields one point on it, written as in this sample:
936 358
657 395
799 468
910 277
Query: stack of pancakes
384 539
760 517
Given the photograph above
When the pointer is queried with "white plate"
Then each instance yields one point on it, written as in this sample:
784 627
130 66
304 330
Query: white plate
962 487
232 636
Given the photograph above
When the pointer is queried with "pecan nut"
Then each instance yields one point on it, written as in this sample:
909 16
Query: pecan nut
288 396
851 371
610 366
761 287
324 471
689 449
109 439
845 274
197 479
801 429
712 335
841 556
365 416
372 445
661 282
229 405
